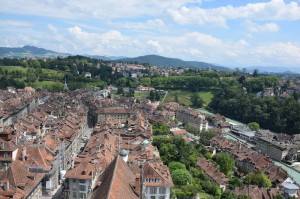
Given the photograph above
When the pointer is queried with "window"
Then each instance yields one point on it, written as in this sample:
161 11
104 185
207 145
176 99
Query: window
74 187
161 197
74 195
152 197
82 188
74 180
152 190
82 181
162 190
82 196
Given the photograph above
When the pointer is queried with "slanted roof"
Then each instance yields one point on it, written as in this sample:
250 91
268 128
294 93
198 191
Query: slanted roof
116 182
288 185
157 170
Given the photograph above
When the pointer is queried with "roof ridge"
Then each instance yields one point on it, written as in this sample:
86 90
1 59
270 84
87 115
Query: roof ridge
113 176
158 171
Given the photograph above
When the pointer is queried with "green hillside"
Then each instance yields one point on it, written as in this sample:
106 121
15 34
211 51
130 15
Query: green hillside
29 52
172 62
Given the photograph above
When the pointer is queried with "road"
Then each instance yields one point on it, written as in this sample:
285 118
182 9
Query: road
165 96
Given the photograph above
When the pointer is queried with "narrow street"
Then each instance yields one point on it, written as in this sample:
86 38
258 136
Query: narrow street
59 192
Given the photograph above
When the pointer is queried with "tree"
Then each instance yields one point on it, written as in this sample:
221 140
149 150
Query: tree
254 126
242 79
278 197
176 97
152 95
181 177
235 182
228 195
255 73
161 129
157 96
176 165
259 179
225 161
196 100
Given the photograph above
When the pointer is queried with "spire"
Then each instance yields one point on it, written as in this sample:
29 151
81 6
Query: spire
66 86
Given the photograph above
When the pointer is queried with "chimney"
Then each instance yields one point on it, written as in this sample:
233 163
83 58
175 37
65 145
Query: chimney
72 164
2 145
137 185
6 185
43 142
24 158
6 167
16 140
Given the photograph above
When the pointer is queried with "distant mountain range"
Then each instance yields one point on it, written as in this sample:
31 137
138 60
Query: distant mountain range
169 62
274 69
30 52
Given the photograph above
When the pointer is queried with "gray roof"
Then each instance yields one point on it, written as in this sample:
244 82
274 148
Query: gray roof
288 185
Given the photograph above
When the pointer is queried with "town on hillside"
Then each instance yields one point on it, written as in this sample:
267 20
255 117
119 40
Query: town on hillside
90 143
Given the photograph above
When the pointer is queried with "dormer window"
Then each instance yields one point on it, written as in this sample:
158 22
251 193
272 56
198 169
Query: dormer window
83 173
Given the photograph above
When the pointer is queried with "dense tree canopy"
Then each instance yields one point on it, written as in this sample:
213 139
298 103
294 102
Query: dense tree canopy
276 114
259 179
254 126
225 162
181 177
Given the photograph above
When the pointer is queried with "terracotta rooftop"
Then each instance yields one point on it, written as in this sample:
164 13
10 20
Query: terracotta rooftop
117 182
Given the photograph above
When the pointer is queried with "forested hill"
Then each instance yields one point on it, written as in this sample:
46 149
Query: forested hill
29 51
172 62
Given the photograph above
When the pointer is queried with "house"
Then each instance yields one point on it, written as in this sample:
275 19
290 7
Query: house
267 92
117 181
143 88
17 181
81 178
8 152
192 118
115 114
88 75
179 132
213 173
244 133
289 190
157 180
272 148
38 159
256 192
250 161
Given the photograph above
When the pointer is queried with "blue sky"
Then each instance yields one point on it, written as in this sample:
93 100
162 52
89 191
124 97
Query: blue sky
233 33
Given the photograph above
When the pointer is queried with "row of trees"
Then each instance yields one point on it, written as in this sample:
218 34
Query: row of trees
274 113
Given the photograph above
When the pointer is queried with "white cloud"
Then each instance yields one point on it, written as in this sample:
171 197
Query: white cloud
52 28
108 9
155 24
283 53
272 10
155 44
267 27
111 42
14 23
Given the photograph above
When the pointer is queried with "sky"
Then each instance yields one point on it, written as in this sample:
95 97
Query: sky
231 33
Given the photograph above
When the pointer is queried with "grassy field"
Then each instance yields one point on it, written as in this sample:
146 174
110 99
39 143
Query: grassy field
184 97
48 72
50 85
13 68
145 94
205 195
